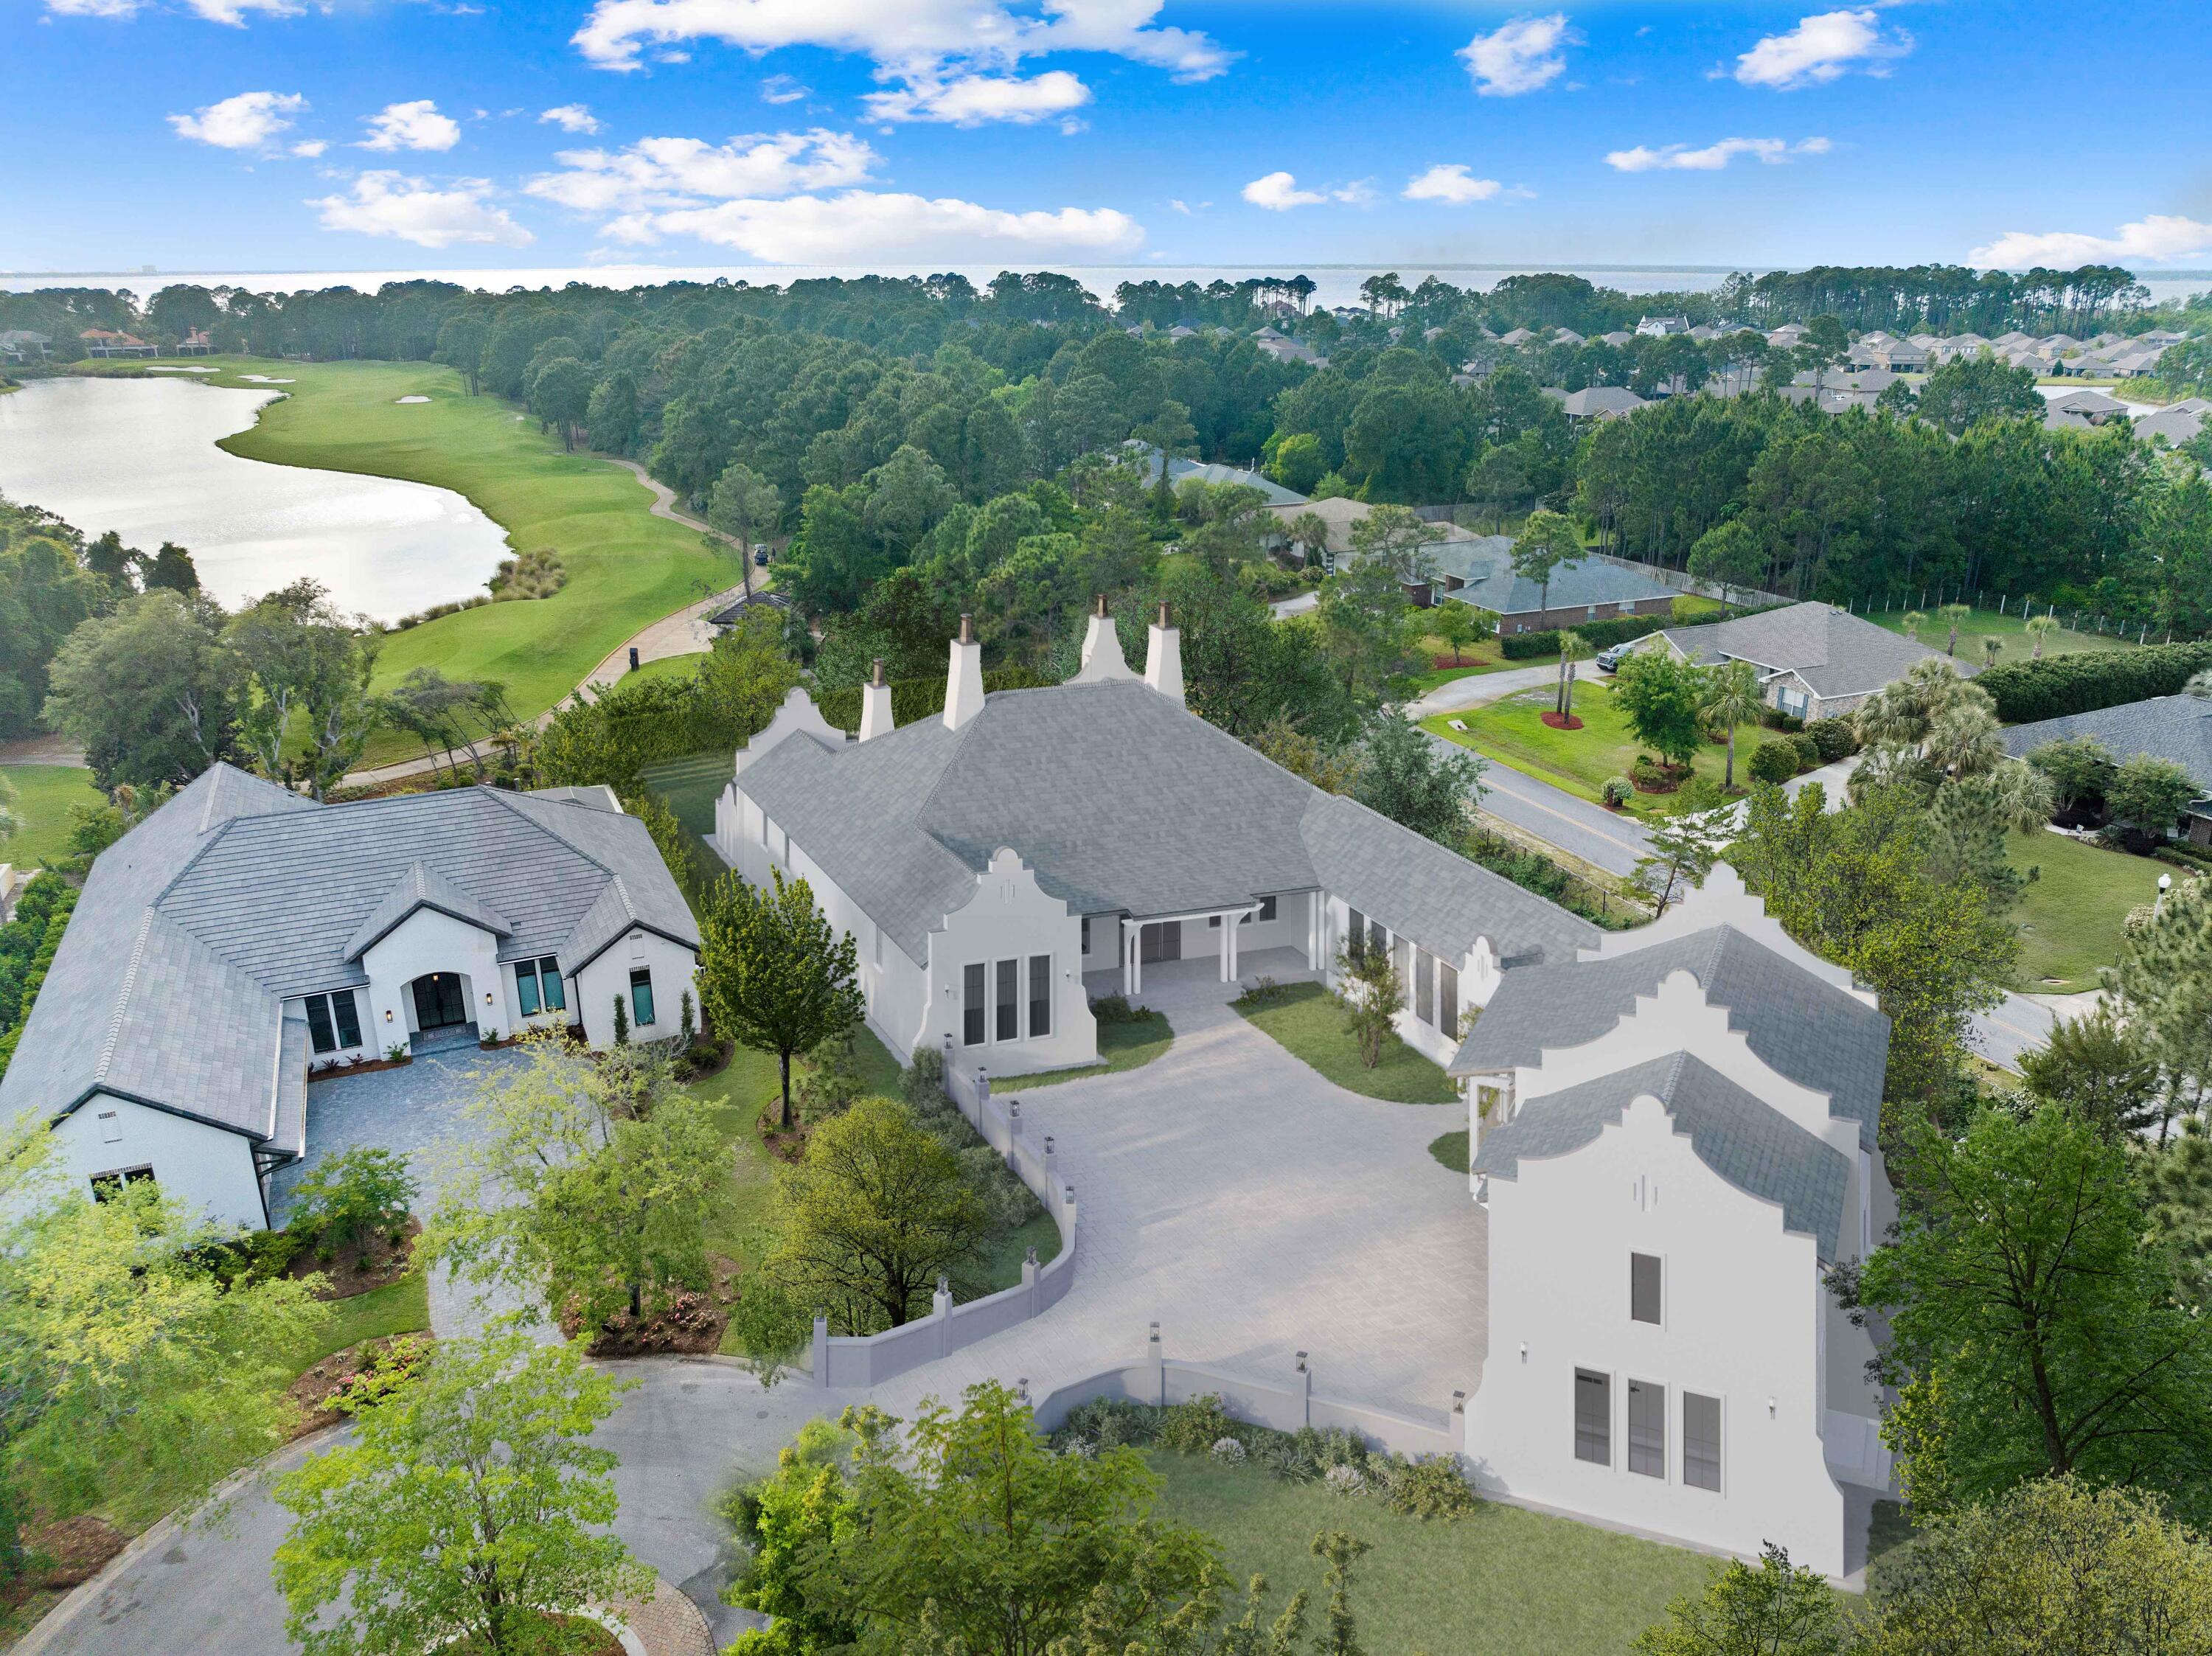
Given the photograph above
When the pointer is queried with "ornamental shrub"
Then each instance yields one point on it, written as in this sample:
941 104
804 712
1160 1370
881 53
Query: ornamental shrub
1776 761
1807 749
1194 1427
1431 1487
1834 738
1617 790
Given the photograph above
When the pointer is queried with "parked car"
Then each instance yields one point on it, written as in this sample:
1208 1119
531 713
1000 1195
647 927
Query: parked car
1610 657
759 554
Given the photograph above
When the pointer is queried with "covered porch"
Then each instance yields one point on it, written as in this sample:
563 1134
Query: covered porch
1170 983
1286 923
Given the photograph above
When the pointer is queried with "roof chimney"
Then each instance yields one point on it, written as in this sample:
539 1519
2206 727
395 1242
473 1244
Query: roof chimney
876 704
1163 658
1101 649
963 682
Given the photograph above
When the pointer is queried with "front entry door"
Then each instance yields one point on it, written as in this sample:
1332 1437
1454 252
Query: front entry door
1160 940
438 1002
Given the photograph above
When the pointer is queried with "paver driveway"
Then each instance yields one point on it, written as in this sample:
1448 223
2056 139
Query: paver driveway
1228 1191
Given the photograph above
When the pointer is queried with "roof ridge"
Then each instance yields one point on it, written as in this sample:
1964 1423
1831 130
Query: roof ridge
514 806
123 997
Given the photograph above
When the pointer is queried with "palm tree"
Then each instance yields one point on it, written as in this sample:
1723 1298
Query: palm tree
2041 627
1953 613
1992 645
1573 647
1913 622
1963 740
1731 698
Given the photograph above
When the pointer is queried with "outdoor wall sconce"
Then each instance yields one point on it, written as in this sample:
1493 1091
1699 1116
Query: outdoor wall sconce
387 1014
1770 1408
486 996
1524 1350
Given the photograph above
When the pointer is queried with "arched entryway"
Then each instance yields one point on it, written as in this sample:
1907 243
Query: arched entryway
440 1001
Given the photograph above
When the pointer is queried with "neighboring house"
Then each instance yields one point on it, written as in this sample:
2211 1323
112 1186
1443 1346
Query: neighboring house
2176 728
1181 471
2073 410
1478 573
242 935
2177 422
1517 336
1815 661
735 611
1618 336
1657 327
1566 337
1675 1137
101 342
1788 337
1292 350
21 345
985 860
195 343
1834 389
1597 402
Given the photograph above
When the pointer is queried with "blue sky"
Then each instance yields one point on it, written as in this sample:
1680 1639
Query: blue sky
274 135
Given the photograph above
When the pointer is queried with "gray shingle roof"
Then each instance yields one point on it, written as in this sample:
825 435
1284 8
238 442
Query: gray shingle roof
1121 802
1485 565
237 896
2177 728
1816 1034
1745 1140
1836 653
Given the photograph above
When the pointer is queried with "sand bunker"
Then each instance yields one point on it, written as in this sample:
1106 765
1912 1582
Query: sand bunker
410 399
263 379
165 368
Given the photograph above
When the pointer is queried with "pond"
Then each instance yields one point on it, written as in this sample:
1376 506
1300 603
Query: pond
139 457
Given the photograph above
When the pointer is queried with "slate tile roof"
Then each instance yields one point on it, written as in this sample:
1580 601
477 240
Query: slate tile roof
1122 802
1835 652
1745 1140
1816 1034
196 927
421 886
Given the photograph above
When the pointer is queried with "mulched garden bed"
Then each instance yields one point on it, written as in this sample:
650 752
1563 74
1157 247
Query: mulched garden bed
69 1553
1569 722
1448 665
691 1325
357 1269
315 1388
367 1066
784 1146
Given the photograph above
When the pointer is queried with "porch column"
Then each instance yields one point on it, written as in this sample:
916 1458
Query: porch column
1228 945
1316 908
1232 924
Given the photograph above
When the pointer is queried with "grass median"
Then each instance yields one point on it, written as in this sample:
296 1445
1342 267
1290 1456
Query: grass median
1305 1020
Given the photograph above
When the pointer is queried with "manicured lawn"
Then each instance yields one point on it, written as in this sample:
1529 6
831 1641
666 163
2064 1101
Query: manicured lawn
1307 1020
2070 915
626 568
1498 1582
2011 629
1127 1045
667 667
42 797
1451 1150
400 1308
1512 731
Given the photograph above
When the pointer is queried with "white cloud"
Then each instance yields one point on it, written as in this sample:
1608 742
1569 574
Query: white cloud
247 121
572 117
865 224
1449 182
668 173
974 99
1822 48
2156 236
783 89
308 148
411 210
1278 192
1521 55
416 125
905 36
1712 157
232 12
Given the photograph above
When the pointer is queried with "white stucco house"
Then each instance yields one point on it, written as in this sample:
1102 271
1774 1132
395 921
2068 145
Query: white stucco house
985 859
243 936
1676 1138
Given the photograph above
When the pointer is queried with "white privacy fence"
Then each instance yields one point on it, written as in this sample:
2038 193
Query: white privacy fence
843 1362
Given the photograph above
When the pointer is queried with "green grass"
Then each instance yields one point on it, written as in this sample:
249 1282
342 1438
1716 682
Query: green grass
43 796
1128 1045
2070 916
1305 1019
689 787
626 568
2012 629
1498 1582
667 667
400 1308
1451 1150
1512 731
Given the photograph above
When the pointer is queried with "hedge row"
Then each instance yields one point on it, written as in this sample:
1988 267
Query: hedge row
2025 691
917 698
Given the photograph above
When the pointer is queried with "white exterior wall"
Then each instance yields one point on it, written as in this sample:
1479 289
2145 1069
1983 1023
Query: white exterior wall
1743 1311
591 991
206 1167
1479 977
425 941
1010 917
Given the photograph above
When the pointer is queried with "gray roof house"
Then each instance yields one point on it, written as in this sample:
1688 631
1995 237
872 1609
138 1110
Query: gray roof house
1480 572
243 936
1099 827
1675 1133
1597 402
2174 728
1181 471
1815 661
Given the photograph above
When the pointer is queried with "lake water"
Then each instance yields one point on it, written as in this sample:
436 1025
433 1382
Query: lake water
139 457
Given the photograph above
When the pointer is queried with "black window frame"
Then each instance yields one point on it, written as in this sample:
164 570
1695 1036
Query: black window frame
107 1186
1647 1289
641 1016
345 1009
975 1003
552 991
322 1036
525 988
1006 999
1040 996
1701 1451
1593 1400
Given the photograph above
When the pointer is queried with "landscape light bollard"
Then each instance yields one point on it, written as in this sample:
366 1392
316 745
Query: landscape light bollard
2157 903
